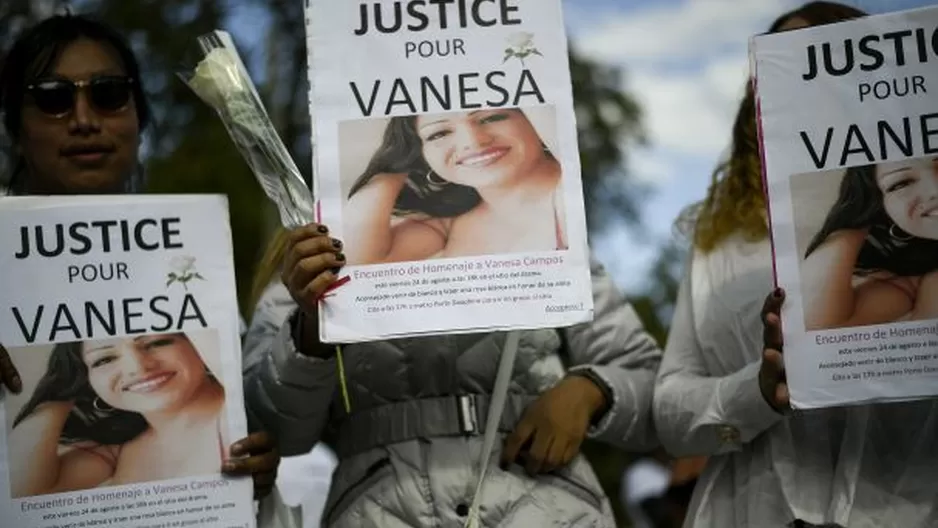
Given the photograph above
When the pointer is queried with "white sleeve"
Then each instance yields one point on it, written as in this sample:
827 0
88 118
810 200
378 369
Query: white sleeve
695 412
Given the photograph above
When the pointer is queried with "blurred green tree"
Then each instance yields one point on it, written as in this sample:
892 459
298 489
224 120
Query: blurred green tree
609 123
654 305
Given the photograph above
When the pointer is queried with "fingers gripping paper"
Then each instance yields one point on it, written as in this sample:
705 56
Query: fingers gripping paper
121 315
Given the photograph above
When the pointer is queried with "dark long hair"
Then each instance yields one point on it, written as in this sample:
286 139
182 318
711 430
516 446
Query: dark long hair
33 55
66 379
735 202
859 205
401 152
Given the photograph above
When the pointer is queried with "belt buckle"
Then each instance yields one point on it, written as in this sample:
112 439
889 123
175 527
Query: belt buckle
468 414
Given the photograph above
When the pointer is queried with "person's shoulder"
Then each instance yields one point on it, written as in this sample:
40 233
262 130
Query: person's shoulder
274 303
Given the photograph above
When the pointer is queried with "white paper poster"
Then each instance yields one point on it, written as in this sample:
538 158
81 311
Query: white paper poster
121 315
849 126
446 161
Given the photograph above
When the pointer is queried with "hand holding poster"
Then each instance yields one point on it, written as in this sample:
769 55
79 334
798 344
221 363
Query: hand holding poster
447 162
850 145
120 314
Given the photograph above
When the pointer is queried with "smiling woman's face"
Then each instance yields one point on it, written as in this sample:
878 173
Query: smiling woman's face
89 147
910 195
152 373
482 148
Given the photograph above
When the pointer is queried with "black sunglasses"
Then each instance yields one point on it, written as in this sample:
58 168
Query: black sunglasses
56 97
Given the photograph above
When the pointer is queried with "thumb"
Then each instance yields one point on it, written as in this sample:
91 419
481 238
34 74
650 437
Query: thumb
255 443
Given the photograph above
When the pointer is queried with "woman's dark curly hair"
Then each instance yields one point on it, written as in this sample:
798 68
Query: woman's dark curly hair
859 205
735 202
401 152
66 379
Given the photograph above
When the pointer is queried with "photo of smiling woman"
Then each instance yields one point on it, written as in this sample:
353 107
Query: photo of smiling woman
119 411
454 184
874 259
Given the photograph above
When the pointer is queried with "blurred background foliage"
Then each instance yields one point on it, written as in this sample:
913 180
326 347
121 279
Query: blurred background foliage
187 150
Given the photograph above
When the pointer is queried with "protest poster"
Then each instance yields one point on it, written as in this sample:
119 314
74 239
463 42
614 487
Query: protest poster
446 159
120 313
849 136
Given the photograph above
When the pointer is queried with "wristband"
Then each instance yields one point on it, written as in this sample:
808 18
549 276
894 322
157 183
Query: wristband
600 384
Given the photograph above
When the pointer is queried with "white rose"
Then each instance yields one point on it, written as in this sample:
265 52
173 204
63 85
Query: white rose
182 264
521 40
217 78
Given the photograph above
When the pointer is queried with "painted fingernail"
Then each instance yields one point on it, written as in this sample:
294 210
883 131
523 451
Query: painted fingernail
336 271
322 229
17 384
336 243
340 257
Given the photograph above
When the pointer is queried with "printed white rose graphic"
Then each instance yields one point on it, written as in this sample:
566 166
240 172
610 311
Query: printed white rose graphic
183 271
521 40
520 46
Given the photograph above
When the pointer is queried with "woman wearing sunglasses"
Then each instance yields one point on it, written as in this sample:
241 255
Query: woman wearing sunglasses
74 108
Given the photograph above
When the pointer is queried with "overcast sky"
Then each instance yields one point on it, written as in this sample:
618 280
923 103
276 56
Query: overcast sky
686 63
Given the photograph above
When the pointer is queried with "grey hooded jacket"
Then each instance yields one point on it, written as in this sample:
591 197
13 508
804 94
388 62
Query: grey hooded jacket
409 451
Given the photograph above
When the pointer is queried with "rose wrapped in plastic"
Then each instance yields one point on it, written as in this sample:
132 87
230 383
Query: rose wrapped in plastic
221 81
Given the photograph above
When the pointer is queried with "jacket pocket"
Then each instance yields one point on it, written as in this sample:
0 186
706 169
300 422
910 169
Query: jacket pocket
567 481
377 471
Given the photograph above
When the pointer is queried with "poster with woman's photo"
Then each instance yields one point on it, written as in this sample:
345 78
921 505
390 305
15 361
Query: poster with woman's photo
446 161
849 133
120 314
